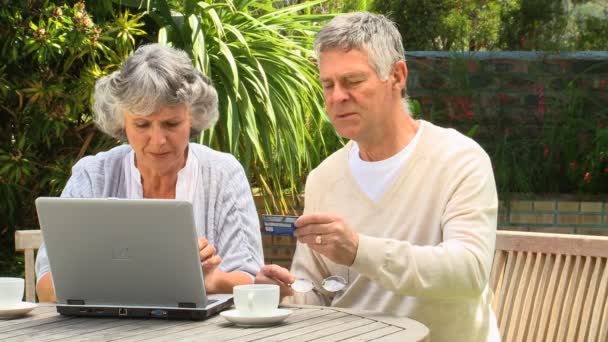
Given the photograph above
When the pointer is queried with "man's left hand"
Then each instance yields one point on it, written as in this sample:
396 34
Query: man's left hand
329 235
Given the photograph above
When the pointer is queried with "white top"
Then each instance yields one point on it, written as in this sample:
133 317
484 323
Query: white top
187 180
374 177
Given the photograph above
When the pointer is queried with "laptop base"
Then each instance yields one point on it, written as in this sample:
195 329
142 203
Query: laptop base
143 312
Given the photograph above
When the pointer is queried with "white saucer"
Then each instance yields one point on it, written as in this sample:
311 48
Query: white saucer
238 318
17 310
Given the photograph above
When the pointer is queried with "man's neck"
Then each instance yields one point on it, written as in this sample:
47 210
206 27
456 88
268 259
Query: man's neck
389 142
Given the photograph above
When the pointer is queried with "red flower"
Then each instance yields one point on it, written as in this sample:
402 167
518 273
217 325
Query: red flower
541 109
545 151
502 98
459 107
587 178
522 41
573 165
507 131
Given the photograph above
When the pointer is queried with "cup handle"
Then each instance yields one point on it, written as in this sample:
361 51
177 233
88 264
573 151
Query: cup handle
250 301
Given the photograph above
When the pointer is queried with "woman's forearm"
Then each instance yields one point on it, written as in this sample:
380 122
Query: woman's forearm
223 282
45 289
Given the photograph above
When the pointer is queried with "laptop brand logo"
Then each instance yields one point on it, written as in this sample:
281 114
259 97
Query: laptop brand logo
121 253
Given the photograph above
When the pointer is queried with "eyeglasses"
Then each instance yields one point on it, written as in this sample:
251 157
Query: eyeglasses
330 284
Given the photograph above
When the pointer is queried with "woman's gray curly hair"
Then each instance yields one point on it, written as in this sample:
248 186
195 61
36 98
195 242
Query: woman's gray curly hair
152 77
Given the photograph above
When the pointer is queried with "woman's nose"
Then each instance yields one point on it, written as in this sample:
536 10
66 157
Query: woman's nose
159 136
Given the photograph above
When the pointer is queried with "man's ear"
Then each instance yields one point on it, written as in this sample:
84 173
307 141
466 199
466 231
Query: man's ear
399 75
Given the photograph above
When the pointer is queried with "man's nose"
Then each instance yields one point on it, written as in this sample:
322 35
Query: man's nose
339 94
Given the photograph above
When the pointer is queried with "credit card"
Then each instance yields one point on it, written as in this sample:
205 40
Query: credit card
279 224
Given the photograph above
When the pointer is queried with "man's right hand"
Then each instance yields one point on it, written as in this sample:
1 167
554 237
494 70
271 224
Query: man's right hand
275 274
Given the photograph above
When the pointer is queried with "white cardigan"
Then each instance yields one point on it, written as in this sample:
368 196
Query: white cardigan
223 205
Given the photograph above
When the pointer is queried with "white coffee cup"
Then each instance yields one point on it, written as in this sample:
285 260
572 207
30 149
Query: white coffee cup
256 299
11 291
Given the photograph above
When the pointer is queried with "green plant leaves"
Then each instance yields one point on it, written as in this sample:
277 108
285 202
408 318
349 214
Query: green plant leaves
269 96
52 53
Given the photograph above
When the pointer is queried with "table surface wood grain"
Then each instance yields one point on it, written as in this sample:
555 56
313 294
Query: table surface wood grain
306 323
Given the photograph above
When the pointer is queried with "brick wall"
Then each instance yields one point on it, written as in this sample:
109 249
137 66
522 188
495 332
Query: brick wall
555 215
506 89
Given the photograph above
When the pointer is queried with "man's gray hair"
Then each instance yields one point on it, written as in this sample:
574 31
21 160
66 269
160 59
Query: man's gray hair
152 77
371 33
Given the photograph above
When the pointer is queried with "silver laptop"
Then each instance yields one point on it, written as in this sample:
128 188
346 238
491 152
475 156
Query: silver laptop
125 257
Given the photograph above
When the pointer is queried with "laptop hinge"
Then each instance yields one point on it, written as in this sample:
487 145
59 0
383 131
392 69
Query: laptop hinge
186 305
75 302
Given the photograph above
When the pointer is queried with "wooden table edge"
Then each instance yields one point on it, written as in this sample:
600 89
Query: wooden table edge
418 330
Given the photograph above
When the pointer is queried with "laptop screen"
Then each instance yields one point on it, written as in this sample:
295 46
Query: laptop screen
122 251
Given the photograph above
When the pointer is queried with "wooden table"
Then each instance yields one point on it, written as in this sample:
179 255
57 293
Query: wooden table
306 323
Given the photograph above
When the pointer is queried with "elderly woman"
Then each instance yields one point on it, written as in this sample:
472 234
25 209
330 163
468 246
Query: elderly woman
155 102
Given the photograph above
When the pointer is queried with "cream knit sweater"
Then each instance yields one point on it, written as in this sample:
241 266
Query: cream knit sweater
425 248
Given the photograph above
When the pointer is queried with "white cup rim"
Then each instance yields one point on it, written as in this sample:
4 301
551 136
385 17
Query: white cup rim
256 287
8 280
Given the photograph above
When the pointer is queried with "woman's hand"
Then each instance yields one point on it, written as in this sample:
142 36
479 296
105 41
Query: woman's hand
209 263
217 281
209 260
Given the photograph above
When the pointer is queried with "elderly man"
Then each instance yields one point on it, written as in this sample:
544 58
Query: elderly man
406 211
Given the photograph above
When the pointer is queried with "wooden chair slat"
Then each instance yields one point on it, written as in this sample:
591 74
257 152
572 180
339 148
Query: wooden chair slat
496 277
590 299
548 299
558 303
566 244
578 292
598 306
531 293
562 318
546 262
603 328
550 287
524 278
28 241
580 289
508 270
511 275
